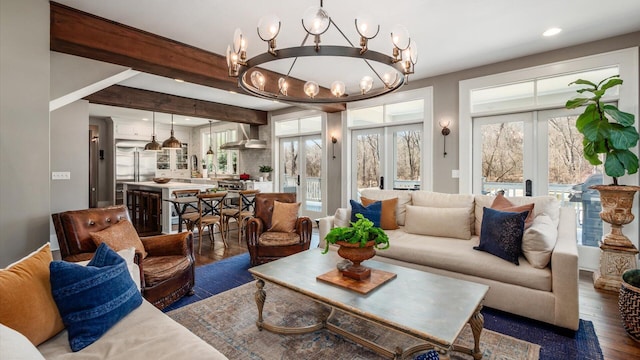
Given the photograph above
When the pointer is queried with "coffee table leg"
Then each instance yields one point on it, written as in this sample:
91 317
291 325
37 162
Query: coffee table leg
260 297
477 323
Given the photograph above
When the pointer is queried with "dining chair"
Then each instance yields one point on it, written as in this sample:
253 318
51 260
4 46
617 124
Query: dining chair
245 209
189 213
210 215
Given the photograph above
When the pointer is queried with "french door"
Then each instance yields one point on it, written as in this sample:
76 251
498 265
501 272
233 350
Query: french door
301 170
386 157
540 153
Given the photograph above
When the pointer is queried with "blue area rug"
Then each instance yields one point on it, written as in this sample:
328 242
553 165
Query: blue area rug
556 343
215 278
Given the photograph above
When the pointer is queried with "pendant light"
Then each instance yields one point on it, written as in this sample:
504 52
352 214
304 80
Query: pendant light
153 145
210 151
172 142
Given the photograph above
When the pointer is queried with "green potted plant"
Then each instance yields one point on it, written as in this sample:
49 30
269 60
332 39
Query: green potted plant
609 132
265 170
357 244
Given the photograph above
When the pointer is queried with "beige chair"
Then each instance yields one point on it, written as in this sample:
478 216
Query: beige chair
189 213
210 215
244 210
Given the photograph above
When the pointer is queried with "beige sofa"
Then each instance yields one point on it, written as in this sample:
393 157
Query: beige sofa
145 333
548 294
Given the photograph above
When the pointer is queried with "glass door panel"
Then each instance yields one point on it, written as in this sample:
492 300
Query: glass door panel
568 177
367 166
310 182
407 158
500 162
290 175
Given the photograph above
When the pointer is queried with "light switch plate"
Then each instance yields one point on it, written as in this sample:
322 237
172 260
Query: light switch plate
455 174
60 175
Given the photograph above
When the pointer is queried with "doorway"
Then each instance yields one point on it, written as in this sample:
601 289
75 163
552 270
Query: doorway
301 170
94 154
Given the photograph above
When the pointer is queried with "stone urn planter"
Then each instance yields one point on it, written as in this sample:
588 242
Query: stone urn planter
617 201
618 252
356 254
629 303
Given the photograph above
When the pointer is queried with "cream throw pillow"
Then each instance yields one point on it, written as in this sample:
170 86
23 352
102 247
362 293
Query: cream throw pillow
16 346
342 218
284 217
443 200
445 222
539 240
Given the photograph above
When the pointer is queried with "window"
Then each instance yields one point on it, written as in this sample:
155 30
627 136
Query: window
222 161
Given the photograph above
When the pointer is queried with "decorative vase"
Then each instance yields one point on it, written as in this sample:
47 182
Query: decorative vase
356 254
265 175
629 303
618 252
616 202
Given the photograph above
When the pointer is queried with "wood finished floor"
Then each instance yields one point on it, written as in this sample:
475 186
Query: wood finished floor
597 306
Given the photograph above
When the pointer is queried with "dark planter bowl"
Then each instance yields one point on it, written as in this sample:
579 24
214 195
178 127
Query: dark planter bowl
629 303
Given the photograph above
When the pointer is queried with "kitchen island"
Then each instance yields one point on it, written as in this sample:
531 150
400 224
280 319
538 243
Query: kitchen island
149 213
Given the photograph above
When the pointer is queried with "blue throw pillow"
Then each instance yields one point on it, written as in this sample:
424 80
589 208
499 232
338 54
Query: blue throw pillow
93 298
373 212
501 233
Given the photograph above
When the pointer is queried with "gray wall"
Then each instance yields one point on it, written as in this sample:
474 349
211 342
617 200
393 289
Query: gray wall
24 127
70 152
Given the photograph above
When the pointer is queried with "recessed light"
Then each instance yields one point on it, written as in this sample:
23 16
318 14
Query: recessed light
145 119
552 31
179 80
232 92
187 119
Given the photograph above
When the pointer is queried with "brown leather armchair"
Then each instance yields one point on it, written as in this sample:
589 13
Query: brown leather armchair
166 274
263 245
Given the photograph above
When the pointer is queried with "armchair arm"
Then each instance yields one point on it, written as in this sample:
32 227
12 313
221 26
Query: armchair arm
255 227
564 271
169 244
304 228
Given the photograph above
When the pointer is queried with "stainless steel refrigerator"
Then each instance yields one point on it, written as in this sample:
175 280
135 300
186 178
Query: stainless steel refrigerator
133 164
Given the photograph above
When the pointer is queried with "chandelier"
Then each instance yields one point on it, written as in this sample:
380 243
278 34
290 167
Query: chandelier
316 21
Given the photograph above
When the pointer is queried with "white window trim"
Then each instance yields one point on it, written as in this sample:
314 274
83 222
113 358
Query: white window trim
425 94
626 59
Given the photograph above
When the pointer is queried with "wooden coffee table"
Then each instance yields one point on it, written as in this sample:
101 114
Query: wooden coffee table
429 307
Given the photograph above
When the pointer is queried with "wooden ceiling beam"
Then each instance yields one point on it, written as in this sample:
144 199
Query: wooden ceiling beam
123 96
82 34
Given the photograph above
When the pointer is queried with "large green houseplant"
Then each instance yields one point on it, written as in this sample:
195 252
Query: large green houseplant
357 244
612 133
606 129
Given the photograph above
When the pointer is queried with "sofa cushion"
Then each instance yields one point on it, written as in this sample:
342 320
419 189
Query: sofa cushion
404 199
503 204
388 220
442 200
146 333
284 217
93 298
424 220
121 235
160 268
269 238
372 212
25 287
16 346
502 234
458 256
539 240
543 205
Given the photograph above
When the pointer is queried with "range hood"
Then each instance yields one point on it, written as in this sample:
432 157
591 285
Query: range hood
248 139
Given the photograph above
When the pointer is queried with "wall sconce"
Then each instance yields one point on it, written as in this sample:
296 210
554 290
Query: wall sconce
444 124
333 145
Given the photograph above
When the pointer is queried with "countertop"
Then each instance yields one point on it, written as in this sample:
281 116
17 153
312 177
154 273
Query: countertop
169 185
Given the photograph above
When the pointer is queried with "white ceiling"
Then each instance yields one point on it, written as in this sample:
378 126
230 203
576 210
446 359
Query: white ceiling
452 35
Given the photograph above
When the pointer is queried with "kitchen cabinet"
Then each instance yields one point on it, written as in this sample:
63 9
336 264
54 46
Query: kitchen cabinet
134 130
173 163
